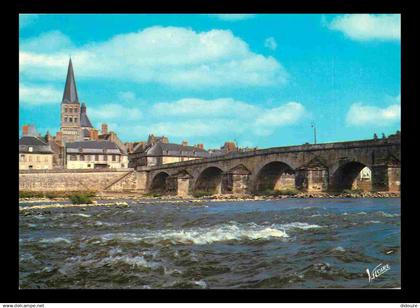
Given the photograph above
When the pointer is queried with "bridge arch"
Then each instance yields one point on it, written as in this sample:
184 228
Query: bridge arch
159 183
274 175
351 175
209 180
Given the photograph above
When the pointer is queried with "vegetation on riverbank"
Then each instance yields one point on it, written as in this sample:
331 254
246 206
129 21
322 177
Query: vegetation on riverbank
54 194
80 199
280 192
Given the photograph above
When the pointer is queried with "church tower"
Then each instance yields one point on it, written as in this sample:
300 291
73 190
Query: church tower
70 109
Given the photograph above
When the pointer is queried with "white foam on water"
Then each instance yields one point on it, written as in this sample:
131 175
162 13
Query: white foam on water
39 217
55 240
136 261
81 215
338 248
299 225
388 214
200 283
372 222
220 233
361 213
201 236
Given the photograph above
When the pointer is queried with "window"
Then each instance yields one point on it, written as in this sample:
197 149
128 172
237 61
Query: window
30 158
105 157
113 157
22 157
65 109
88 165
87 157
71 120
73 157
38 158
75 120
65 119
82 157
30 166
97 157
30 149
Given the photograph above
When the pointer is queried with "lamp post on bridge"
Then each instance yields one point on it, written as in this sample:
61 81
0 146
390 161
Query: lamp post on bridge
314 127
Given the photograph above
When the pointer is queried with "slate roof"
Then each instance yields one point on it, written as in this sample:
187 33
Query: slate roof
86 132
173 149
70 91
84 120
93 146
37 144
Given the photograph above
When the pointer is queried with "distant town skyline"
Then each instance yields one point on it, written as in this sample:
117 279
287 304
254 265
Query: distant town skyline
258 79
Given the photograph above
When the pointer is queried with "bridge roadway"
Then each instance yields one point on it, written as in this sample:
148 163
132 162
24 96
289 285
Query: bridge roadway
309 167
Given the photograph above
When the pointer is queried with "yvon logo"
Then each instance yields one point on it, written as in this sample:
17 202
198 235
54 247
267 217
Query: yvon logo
378 271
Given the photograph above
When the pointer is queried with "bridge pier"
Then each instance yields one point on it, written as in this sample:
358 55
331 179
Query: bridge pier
312 179
236 181
386 177
180 184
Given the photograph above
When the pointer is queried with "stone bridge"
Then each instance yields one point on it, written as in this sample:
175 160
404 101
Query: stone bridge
309 167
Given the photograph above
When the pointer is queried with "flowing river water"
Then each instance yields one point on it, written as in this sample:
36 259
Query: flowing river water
287 243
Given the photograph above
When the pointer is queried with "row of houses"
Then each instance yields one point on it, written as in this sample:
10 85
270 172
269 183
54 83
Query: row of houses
79 145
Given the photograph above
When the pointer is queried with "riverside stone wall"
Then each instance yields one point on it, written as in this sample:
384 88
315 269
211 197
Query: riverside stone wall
77 180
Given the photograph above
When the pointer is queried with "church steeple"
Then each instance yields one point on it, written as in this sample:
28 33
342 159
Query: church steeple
70 91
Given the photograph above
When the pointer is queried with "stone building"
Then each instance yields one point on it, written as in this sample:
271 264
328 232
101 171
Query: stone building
34 153
158 151
94 154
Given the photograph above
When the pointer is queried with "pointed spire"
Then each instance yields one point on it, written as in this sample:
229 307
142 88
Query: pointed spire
70 91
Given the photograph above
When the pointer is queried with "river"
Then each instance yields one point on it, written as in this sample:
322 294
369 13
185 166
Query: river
287 243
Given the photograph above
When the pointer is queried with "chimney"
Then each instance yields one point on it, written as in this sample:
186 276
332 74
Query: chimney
104 129
200 146
58 136
184 143
25 130
93 134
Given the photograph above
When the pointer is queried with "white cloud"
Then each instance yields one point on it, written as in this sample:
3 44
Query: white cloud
283 115
270 43
36 95
47 42
200 108
361 115
363 27
172 56
27 19
109 112
233 17
198 117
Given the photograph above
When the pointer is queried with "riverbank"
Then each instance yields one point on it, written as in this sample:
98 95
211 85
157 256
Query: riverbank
224 197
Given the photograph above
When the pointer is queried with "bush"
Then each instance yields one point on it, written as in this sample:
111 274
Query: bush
30 194
280 192
353 191
153 194
54 194
287 192
201 193
80 199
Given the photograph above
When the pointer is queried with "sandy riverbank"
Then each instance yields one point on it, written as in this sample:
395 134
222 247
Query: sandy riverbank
215 198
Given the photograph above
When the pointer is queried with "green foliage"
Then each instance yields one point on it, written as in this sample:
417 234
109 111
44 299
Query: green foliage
153 194
54 194
280 192
80 199
201 193
353 191
30 194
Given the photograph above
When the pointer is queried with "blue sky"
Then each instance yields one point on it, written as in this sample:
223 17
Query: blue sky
258 79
